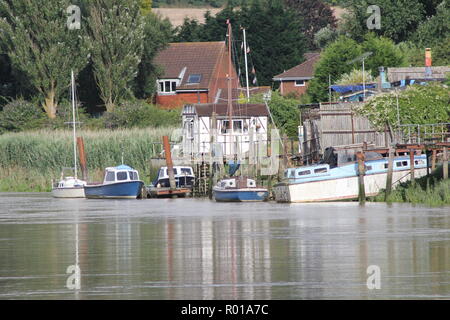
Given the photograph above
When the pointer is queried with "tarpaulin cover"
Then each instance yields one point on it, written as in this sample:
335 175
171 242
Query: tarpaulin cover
352 88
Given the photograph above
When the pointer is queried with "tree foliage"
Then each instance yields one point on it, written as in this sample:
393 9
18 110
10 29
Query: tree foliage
36 38
275 45
416 105
116 30
314 15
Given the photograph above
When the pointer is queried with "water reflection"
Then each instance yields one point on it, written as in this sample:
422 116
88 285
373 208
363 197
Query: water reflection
197 249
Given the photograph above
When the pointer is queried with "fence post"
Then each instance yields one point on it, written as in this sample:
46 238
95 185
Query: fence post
389 173
411 166
361 173
445 164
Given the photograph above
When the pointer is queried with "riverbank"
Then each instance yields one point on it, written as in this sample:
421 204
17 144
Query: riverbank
29 160
432 191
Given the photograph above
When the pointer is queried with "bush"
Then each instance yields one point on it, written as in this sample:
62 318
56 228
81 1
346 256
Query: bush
20 115
140 114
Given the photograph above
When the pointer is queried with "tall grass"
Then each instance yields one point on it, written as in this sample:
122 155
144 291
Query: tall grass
432 191
29 160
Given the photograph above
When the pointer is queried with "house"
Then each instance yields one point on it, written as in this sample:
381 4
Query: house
204 122
296 79
192 72
419 74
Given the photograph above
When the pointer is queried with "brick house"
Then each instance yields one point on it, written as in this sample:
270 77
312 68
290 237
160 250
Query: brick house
296 79
193 72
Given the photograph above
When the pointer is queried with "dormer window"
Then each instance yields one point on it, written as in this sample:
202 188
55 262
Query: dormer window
194 79
300 83
167 86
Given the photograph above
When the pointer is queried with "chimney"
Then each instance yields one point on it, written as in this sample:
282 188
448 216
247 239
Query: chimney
428 63
382 83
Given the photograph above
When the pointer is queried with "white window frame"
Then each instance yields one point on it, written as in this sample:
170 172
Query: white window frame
300 85
171 83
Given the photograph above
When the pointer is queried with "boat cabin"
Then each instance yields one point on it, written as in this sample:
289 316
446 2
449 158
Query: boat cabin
120 173
184 177
237 183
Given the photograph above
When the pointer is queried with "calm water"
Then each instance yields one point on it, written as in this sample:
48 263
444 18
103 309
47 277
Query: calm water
199 249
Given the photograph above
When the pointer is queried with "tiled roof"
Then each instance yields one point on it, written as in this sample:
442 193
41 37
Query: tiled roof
239 110
240 93
199 58
302 71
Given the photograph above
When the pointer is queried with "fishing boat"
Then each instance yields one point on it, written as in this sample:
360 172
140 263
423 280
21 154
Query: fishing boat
70 187
184 177
338 179
239 189
121 182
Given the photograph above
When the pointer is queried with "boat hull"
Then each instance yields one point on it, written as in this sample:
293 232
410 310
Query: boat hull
68 192
240 195
117 190
340 188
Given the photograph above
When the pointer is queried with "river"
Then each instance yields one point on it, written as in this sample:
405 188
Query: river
199 249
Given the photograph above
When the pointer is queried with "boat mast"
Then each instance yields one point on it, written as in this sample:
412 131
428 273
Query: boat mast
74 124
246 66
230 102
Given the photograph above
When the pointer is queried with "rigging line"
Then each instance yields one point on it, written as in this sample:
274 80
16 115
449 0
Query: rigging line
235 51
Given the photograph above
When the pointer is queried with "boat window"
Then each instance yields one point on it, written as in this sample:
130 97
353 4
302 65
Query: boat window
250 183
109 176
133 175
401 163
303 173
122 175
320 170
386 165
185 171
368 168
292 173
419 162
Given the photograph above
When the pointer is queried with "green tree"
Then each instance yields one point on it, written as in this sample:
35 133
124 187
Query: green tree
146 7
157 34
37 40
116 30
333 64
399 18
384 53
314 15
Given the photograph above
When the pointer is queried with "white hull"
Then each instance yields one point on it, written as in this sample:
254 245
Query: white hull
339 189
68 192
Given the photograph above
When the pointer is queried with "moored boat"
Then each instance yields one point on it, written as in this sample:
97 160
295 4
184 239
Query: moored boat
184 177
121 182
333 182
239 189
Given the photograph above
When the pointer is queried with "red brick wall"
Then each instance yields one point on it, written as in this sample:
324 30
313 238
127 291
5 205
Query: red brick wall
289 86
180 99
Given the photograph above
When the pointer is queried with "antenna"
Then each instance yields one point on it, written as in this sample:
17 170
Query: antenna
362 58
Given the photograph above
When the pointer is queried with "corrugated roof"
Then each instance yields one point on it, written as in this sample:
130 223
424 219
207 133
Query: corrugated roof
397 74
199 58
303 70
221 109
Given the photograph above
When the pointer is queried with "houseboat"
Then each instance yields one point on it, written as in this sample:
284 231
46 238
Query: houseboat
338 179
121 182
239 189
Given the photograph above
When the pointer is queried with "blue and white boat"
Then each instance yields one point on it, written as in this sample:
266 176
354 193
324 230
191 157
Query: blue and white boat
121 182
338 179
184 177
239 189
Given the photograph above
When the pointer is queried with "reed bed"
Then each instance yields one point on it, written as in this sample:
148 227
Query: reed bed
29 160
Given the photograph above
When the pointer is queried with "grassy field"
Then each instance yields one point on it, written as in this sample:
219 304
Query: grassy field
29 160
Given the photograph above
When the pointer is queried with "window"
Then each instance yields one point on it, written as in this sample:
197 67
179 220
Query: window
320 170
300 83
167 86
194 78
368 168
303 173
225 124
186 171
109 176
133 175
401 163
237 126
122 175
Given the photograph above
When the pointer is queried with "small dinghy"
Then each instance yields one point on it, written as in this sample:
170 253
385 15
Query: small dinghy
239 189
121 182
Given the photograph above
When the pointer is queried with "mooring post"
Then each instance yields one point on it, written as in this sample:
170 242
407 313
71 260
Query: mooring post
433 160
82 154
389 174
411 166
361 172
169 162
445 163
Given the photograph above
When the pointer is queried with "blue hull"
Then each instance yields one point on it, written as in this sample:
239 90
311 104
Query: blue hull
120 190
240 196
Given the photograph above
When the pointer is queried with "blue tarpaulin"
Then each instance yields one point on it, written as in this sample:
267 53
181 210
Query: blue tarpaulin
352 88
